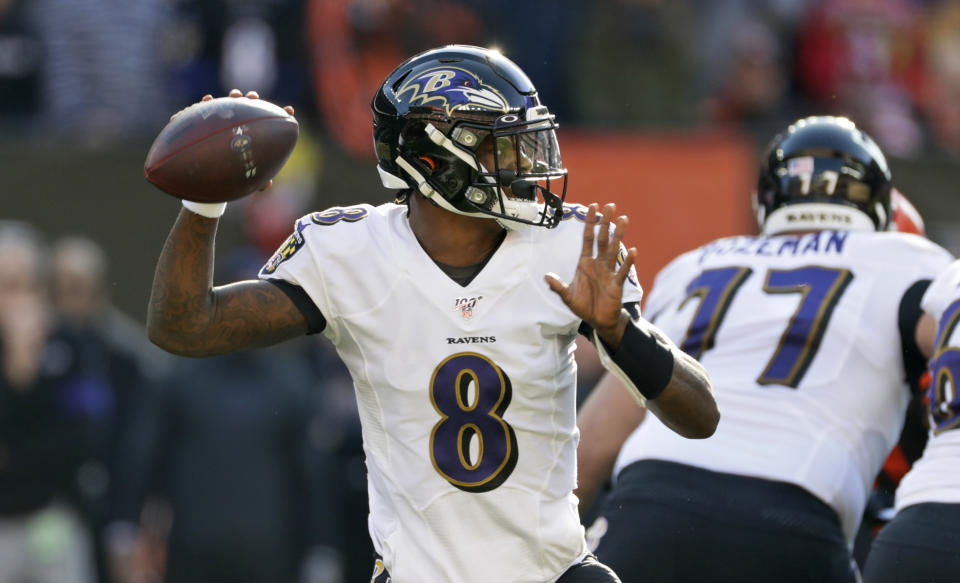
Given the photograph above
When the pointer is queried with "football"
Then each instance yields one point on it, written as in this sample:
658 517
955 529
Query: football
222 149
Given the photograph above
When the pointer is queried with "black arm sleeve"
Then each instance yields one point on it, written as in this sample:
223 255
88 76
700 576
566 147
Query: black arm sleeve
315 320
644 359
914 363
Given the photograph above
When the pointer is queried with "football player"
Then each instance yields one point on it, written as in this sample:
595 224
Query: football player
921 543
906 217
913 438
809 332
455 309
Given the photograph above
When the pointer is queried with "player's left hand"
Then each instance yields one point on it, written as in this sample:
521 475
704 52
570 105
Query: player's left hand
596 292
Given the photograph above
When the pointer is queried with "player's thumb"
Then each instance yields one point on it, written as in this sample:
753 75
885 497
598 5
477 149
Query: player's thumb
556 284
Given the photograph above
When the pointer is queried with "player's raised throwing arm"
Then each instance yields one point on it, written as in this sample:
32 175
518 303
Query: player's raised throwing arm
189 317
675 387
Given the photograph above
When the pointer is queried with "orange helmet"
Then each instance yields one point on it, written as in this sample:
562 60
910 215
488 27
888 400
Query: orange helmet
906 217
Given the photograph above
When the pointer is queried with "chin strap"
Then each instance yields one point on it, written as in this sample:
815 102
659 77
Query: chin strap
432 195
428 191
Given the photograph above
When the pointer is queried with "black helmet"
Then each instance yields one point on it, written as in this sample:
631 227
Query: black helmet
823 173
438 109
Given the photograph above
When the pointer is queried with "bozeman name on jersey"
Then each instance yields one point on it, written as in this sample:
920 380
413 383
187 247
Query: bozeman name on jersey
800 336
466 394
935 477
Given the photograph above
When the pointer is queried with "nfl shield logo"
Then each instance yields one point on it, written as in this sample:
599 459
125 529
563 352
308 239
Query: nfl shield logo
465 306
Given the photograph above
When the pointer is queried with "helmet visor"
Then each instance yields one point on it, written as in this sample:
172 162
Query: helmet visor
522 157
517 166
532 151
529 149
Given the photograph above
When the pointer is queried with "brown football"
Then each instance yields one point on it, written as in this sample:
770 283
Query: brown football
221 149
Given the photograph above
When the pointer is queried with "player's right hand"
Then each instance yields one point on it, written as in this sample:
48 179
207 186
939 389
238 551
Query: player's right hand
595 293
237 93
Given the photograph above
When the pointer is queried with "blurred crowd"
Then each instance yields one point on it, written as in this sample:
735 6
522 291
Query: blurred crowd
102 70
122 464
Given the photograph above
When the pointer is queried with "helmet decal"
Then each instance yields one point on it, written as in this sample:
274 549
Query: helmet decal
453 89
801 166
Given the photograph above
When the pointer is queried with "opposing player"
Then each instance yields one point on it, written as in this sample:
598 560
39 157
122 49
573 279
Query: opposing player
922 540
460 352
906 217
808 332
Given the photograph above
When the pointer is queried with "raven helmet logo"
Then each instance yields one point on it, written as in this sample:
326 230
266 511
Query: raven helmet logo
453 89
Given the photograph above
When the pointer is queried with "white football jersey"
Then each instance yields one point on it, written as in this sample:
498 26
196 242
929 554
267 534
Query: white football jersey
466 394
799 334
935 477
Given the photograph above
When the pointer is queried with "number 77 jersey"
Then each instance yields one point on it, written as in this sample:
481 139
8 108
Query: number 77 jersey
803 337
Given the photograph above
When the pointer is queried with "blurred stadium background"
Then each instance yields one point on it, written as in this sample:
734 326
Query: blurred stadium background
664 105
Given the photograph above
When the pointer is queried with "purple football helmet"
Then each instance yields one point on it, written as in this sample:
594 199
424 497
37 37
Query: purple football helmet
438 110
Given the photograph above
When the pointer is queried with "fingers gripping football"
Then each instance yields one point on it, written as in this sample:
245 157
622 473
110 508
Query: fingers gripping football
236 93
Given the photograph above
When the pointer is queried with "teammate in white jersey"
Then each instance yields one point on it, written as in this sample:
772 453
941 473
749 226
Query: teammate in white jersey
922 542
808 332
460 352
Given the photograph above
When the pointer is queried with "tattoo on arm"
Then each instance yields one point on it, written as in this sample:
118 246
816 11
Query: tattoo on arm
188 316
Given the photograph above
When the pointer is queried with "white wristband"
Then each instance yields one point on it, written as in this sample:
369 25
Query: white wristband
211 210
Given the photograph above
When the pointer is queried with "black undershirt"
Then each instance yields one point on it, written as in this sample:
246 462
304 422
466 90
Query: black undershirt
462 275
914 362
316 322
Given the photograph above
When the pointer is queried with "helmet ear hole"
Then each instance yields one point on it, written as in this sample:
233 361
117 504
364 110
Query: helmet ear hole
430 162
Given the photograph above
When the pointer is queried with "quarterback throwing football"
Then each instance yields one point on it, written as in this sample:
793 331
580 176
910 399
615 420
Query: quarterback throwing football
455 309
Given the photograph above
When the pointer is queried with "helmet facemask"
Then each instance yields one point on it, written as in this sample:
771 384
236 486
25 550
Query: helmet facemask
499 170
